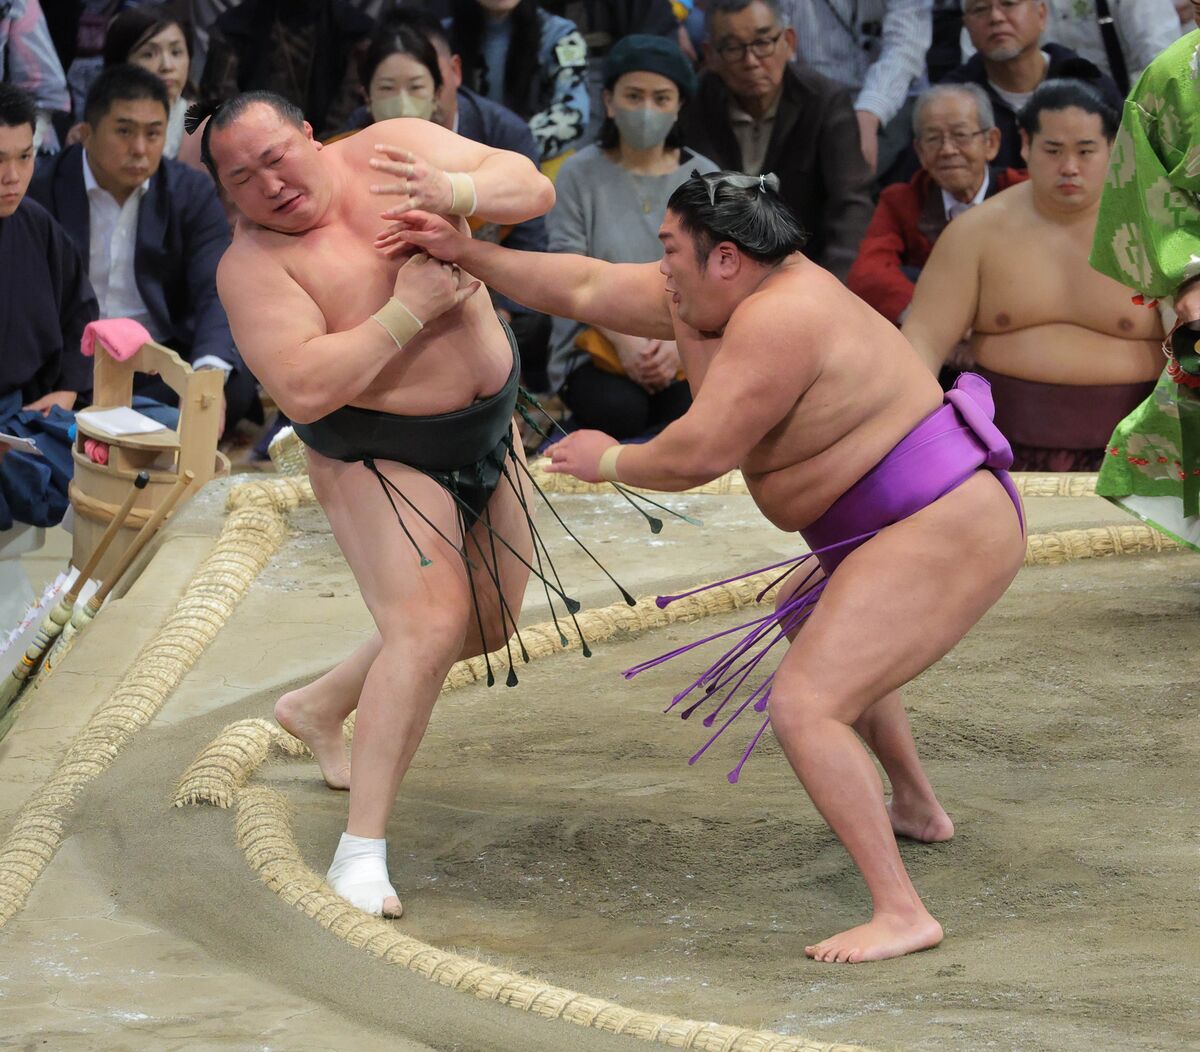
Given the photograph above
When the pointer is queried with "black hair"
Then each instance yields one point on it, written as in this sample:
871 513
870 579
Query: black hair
1060 94
123 83
733 7
466 39
744 209
424 22
398 38
225 113
17 107
134 26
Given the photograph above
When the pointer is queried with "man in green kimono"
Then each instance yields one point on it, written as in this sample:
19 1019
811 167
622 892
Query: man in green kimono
1148 238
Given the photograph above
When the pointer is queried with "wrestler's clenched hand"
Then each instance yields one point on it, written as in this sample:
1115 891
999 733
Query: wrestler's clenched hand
579 454
417 183
429 288
430 233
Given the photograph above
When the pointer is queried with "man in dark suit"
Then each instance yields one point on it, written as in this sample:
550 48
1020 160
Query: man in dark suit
754 113
150 230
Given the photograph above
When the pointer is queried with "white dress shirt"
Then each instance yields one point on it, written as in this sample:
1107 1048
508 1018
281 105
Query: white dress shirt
955 207
112 233
1144 28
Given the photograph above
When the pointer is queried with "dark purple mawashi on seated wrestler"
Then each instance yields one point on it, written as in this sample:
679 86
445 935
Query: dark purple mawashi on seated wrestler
938 455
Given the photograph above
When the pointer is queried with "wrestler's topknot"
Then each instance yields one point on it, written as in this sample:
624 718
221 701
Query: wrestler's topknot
223 114
744 209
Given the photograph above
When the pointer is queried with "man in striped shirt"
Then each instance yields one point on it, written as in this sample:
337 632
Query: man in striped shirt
875 47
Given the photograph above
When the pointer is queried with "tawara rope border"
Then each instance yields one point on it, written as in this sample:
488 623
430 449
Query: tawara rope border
253 531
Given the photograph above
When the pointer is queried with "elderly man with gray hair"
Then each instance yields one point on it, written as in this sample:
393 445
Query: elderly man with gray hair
956 139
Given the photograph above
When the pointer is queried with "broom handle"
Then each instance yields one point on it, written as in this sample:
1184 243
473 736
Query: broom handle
114 526
139 541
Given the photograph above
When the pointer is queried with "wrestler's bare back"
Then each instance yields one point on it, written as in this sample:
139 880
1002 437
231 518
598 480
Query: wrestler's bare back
1043 313
868 389
455 359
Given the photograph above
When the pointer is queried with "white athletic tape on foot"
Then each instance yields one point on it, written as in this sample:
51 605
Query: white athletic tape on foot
359 873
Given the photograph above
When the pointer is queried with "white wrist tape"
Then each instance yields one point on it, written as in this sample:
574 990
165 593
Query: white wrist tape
463 200
400 323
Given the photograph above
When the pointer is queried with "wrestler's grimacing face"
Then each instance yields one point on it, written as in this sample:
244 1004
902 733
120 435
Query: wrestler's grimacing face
693 291
271 171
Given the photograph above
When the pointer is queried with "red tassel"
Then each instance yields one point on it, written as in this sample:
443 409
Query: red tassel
1139 300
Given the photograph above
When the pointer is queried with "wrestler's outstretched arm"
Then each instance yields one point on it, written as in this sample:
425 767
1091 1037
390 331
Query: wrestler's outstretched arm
946 298
627 297
414 161
282 336
753 382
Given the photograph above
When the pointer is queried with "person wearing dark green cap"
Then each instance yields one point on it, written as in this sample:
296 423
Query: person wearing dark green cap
611 200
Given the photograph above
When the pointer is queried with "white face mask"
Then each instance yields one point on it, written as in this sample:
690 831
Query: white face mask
402 104
644 128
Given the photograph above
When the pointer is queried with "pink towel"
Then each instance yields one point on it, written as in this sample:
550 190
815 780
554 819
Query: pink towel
96 450
121 337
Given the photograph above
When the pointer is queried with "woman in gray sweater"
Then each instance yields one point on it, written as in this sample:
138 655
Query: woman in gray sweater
611 201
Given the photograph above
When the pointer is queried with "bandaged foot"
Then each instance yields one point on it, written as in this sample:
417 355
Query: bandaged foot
359 874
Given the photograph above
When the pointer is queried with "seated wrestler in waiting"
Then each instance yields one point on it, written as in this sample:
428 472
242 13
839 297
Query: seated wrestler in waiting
956 139
402 384
1067 353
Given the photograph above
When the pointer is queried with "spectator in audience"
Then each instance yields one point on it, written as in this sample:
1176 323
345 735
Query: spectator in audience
945 49
533 62
410 70
158 41
754 113
1066 352
1127 35
47 302
300 49
1010 61
28 60
876 48
612 197
955 136
152 231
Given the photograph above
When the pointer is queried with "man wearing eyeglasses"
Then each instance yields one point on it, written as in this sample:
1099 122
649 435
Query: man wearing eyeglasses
754 113
956 138
1010 62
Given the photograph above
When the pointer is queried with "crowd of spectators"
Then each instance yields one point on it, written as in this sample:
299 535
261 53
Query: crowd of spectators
885 120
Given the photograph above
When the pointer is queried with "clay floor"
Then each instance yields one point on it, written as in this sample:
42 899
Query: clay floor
556 829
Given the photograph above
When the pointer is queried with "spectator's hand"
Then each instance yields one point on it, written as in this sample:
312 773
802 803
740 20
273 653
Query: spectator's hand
660 363
62 399
417 183
1187 303
429 288
868 137
579 454
431 234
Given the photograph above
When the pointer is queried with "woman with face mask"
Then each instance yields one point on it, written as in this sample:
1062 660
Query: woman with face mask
400 77
611 200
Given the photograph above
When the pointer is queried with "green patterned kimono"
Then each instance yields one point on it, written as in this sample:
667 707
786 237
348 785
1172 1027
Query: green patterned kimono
1148 238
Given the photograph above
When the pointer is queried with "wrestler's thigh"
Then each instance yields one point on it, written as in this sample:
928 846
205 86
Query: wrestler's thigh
406 600
903 600
507 517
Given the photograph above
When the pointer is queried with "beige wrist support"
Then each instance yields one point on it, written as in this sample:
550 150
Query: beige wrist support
400 323
608 464
463 201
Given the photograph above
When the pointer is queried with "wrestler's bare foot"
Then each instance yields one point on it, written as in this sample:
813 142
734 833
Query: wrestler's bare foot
923 821
885 935
301 715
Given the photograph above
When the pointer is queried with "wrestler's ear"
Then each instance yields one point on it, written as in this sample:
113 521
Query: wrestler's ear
308 134
725 260
1025 147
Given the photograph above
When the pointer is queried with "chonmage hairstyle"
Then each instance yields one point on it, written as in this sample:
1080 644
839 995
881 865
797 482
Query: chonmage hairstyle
744 209
223 114
1061 94
17 107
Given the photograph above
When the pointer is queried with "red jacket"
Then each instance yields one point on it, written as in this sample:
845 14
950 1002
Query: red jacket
906 223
